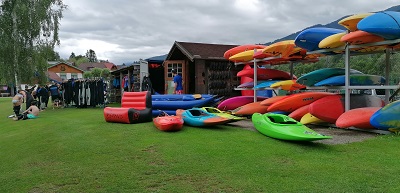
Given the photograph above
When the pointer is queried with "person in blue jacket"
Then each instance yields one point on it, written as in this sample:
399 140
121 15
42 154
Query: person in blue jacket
55 93
178 88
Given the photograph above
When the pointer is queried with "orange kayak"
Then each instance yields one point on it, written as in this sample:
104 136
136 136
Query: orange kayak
168 123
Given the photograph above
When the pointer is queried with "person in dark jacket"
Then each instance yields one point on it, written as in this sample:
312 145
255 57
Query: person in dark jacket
43 94
54 92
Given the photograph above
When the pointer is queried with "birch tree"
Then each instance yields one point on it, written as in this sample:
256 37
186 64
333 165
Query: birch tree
28 34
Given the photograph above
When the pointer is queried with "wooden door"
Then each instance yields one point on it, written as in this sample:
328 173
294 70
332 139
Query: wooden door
179 66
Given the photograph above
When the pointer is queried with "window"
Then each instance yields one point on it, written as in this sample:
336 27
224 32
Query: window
176 66
74 76
63 76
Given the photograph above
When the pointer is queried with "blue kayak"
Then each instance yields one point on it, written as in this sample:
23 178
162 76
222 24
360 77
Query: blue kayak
384 24
157 112
387 118
355 80
316 76
179 97
310 38
181 104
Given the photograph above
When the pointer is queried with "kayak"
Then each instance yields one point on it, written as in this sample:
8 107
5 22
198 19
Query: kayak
168 122
198 117
283 127
224 114
181 104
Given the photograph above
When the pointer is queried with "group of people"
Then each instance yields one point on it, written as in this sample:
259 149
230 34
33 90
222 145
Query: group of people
36 100
42 94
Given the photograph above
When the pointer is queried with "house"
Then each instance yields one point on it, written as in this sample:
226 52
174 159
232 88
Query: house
90 65
202 67
60 71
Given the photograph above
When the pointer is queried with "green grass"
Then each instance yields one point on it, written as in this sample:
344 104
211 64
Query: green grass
75 150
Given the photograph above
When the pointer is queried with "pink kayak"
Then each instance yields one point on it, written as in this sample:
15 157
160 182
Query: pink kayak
238 101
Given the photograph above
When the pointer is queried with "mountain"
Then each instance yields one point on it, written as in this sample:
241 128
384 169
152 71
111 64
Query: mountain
333 24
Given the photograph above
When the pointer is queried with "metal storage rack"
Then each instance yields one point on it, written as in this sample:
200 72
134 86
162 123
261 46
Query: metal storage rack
347 87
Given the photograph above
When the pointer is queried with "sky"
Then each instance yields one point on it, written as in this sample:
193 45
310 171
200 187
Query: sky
123 31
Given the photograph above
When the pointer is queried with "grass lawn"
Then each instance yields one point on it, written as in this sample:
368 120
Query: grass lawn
75 150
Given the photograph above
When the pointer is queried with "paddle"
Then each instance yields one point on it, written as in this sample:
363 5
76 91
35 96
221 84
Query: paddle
197 96
192 97
394 94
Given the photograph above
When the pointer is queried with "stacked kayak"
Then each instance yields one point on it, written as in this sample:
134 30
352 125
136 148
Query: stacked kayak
388 117
311 78
238 101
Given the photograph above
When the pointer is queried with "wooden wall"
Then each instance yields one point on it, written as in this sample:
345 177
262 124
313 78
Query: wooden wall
64 68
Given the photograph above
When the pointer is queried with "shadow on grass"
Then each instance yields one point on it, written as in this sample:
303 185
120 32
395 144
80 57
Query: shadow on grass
312 144
306 144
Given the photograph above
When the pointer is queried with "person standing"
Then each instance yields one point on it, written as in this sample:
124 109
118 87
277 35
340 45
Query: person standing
44 97
178 88
28 98
54 92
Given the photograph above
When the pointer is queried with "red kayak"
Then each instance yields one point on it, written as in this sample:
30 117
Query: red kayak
168 123
265 74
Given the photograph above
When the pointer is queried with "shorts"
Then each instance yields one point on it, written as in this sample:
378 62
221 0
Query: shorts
55 97
30 116
15 101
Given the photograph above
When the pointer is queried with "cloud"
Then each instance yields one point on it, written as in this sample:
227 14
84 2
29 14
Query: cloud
125 31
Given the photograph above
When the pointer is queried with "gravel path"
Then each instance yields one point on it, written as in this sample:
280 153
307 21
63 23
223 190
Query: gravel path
339 136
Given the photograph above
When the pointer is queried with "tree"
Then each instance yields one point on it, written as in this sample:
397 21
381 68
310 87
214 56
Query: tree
105 73
72 55
87 74
81 60
91 55
28 34
96 72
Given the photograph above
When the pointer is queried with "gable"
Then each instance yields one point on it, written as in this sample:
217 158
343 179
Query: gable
64 68
198 50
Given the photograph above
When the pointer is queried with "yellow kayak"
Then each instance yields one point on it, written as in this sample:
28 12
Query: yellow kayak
288 85
309 118
351 22
223 114
332 41
243 56
283 48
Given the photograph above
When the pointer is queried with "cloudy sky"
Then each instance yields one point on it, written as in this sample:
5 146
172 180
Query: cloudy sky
123 31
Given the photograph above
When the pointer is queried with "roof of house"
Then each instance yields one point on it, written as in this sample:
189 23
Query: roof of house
52 64
88 66
110 66
157 59
54 77
201 50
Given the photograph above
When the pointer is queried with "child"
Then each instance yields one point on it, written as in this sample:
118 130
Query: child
31 113
56 103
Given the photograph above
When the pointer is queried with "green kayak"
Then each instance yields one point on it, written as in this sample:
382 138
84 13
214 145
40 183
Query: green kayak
283 127
223 114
